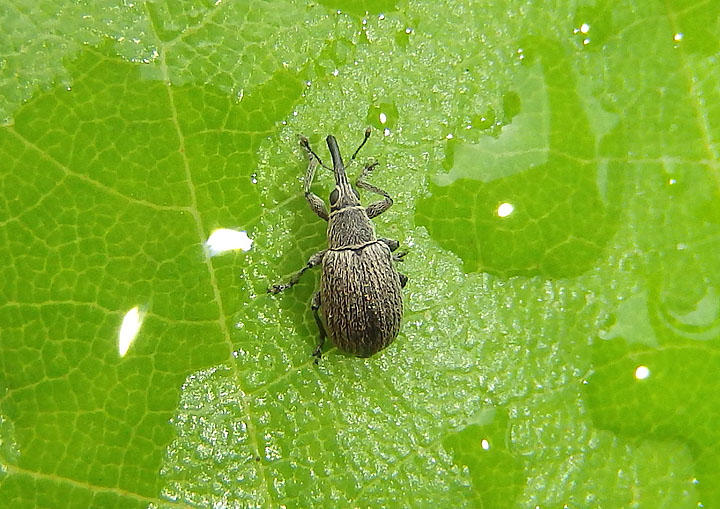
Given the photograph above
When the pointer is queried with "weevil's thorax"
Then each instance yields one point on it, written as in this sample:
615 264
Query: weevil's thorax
349 226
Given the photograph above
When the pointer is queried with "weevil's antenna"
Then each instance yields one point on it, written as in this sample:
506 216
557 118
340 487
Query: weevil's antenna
365 139
305 143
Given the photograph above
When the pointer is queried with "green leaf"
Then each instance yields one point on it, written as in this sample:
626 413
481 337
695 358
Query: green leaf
555 175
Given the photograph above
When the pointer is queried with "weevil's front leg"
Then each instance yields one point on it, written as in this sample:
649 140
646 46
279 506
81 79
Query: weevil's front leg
314 260
377 208
315 305
315 202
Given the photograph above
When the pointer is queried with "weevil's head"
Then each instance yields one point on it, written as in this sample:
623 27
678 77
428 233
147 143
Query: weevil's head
344 195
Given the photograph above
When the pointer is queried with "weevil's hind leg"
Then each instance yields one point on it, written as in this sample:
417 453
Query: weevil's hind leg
377 208
314 260
315 305
403 280
315 202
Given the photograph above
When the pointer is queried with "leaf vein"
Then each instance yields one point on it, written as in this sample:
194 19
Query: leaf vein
222 318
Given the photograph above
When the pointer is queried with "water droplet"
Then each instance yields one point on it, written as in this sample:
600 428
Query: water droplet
129 329
505 209
383 115
642 372
225 239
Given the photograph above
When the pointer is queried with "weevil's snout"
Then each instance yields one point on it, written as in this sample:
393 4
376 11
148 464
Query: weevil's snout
335 153
343 195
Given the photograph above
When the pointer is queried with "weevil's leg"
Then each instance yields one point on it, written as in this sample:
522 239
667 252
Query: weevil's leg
314 260
403 280
315 202
311 153
399 257
377 208
365 139
392 244
315 305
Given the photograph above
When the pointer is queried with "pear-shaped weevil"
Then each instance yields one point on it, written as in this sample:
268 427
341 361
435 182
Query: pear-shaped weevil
360 292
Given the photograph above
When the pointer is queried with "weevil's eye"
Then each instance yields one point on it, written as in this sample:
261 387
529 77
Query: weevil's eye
334 196
357 195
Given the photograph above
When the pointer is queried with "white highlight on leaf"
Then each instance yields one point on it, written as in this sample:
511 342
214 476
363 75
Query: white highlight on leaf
584 28
642 372
129 329
383 118
678 37
505 209
225 239
485 444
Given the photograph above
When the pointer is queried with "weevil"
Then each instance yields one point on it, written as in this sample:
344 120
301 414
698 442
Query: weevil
360 293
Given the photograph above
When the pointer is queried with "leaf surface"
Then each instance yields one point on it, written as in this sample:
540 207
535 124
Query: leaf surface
555 175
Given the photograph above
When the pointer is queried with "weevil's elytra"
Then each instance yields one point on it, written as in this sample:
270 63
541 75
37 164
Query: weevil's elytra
360 294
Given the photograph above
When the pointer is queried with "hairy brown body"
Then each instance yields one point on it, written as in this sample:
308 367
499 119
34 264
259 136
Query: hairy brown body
365 290
360 294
